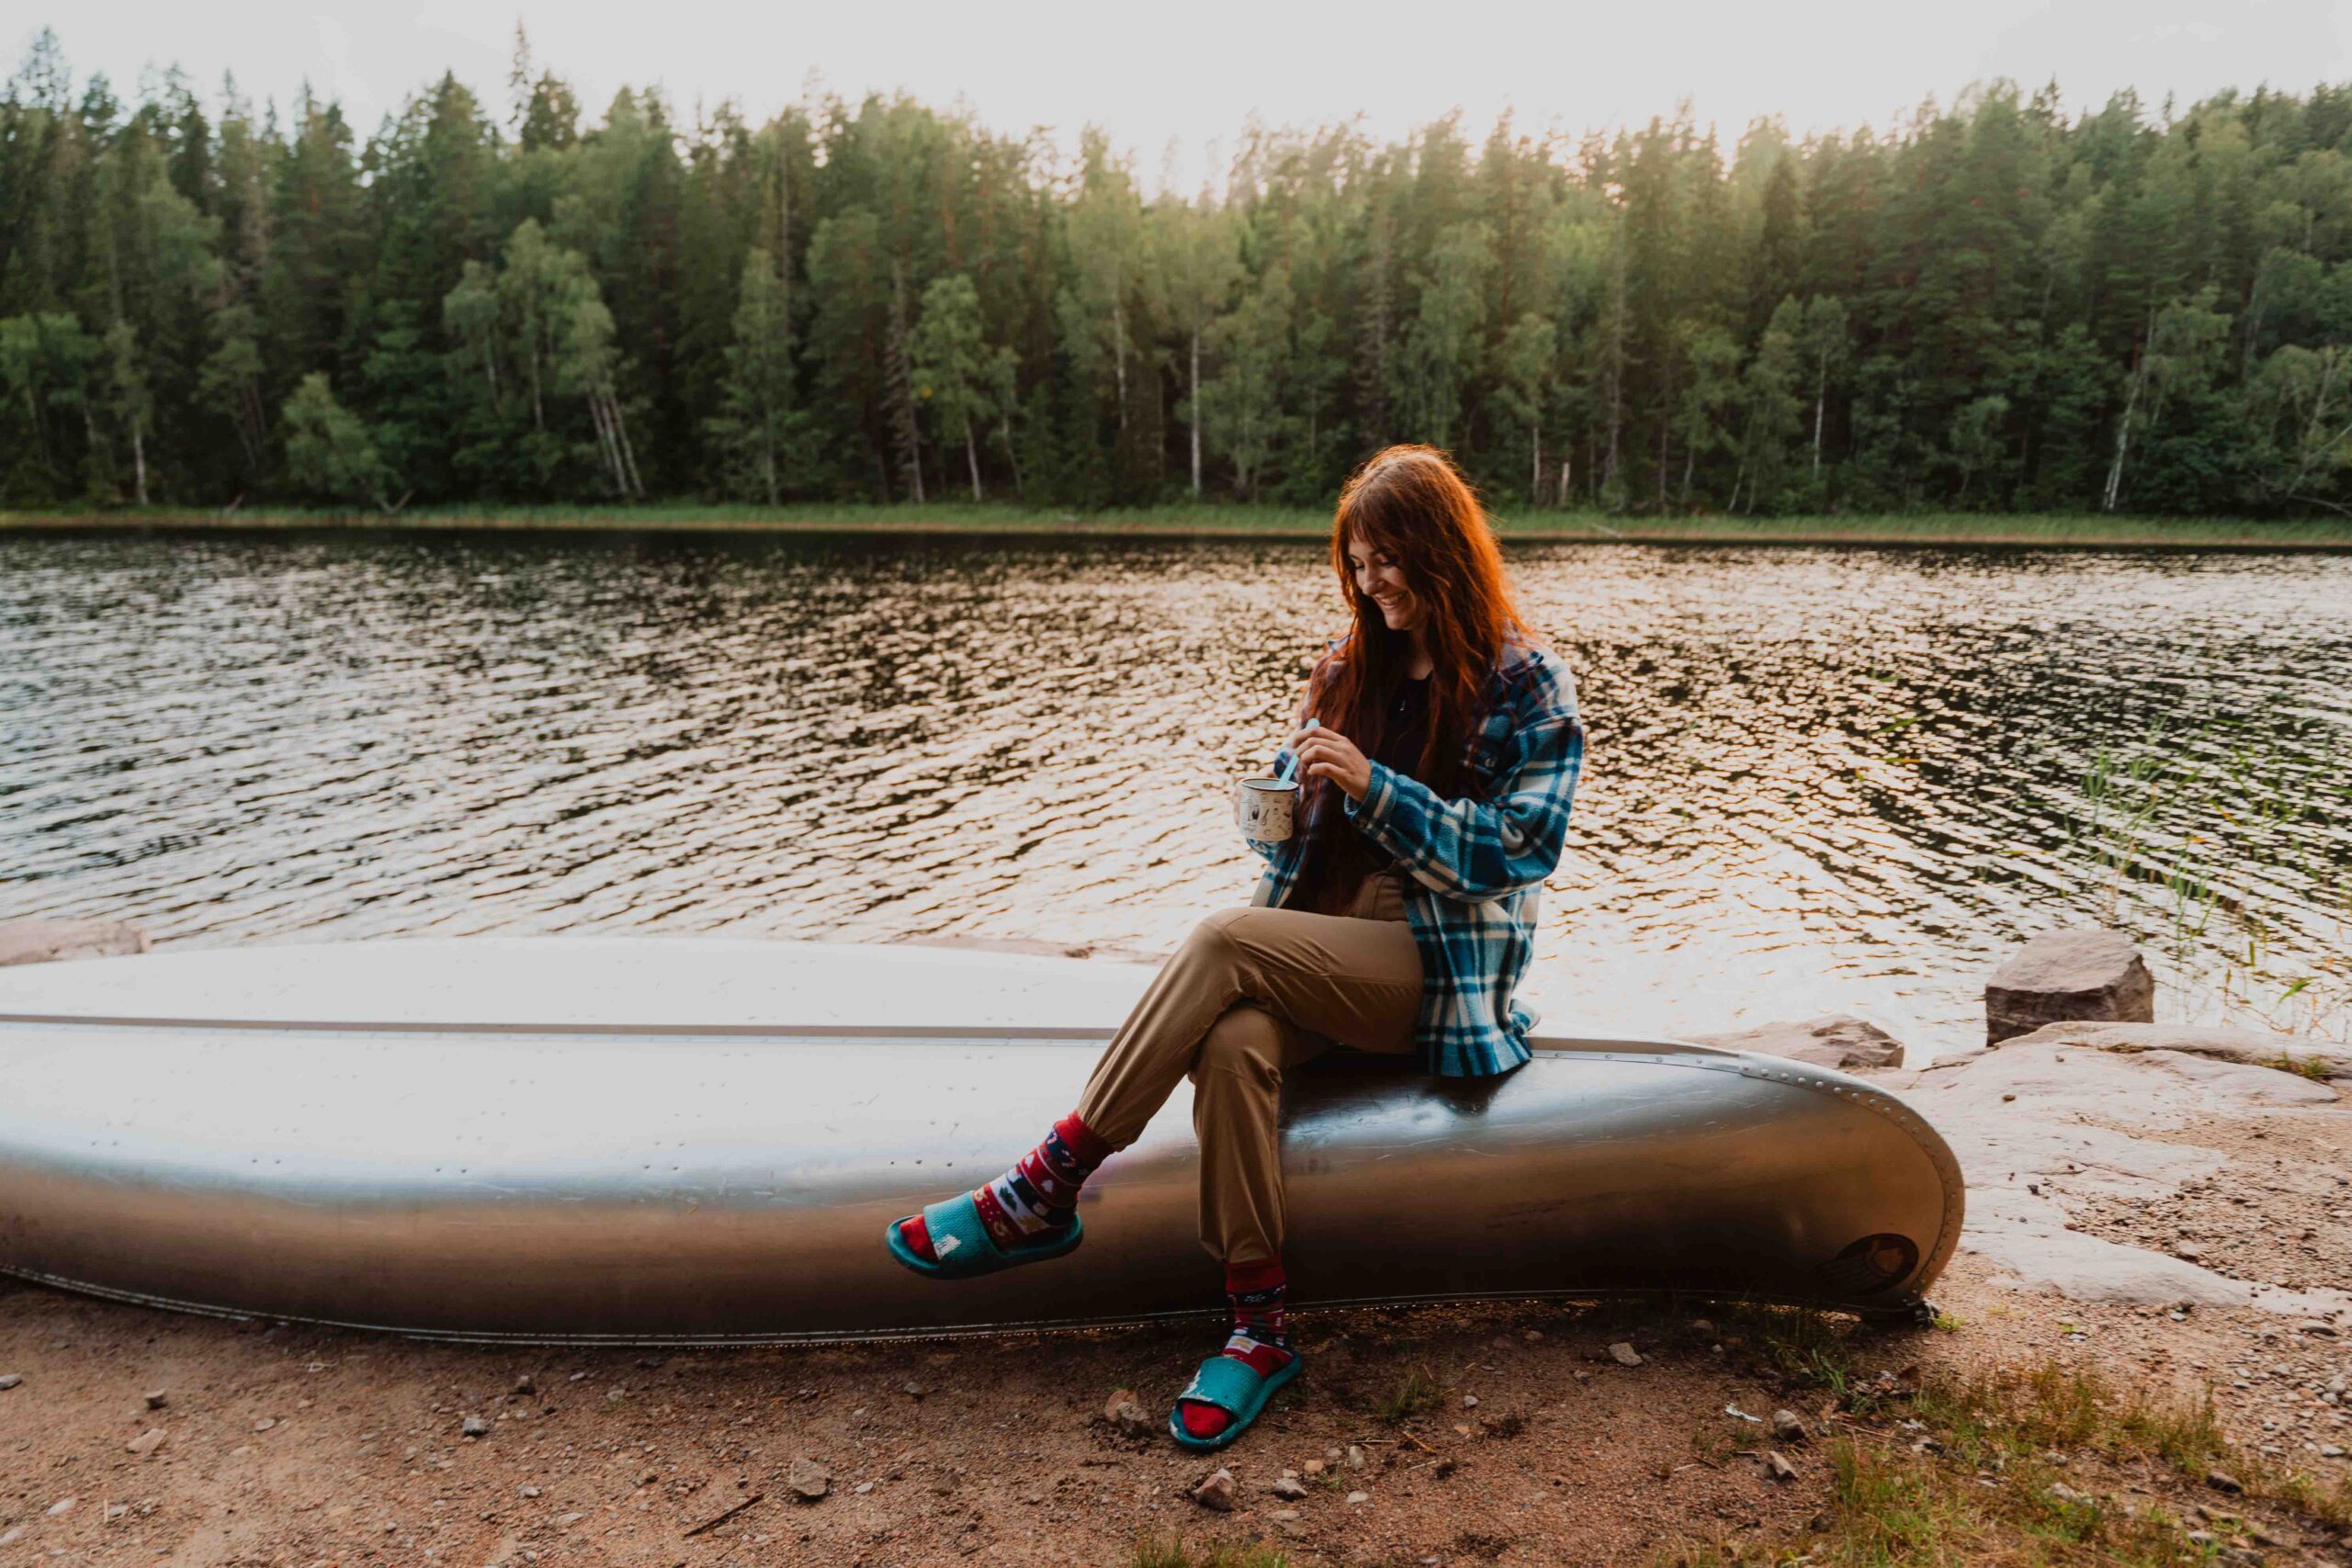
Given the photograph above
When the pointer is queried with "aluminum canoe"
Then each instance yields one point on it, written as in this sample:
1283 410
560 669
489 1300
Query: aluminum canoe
692 1141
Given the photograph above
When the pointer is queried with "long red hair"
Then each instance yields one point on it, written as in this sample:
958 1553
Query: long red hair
1412 504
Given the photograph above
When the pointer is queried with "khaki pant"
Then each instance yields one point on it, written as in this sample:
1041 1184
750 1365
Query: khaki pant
1250 993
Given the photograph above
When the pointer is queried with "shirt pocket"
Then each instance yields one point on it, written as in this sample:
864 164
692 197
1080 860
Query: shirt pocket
1484 766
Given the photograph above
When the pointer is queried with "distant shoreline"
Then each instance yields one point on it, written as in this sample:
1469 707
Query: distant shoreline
1178 524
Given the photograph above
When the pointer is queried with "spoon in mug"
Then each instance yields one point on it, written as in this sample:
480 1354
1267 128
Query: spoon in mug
1290 766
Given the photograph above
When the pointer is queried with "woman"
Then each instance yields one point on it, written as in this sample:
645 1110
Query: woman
1438 748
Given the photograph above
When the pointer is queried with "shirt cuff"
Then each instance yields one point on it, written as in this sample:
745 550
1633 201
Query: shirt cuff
1371 813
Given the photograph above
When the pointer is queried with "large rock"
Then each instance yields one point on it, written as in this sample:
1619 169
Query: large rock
2063 977
43 941
1837 1039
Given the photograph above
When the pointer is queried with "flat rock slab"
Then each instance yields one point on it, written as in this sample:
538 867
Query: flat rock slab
2321 1059
1839 1041
46 942
2080 1113
2063 976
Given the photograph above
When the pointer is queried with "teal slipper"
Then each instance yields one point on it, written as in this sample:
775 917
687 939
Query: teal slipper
1230 1384
964 1246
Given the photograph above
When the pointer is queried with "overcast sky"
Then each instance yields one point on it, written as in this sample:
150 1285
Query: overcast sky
1194 69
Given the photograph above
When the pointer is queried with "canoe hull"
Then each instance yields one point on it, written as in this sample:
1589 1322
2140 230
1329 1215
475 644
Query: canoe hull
732 1185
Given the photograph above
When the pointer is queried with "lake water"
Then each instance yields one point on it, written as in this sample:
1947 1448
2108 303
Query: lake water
1819 780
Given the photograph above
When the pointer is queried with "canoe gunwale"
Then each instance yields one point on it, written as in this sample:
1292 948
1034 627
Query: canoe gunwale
960 1034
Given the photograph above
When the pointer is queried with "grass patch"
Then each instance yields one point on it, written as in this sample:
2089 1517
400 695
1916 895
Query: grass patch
2313 1067
2330 1504
1414 1393
1188 519
1944 1467
1172 1553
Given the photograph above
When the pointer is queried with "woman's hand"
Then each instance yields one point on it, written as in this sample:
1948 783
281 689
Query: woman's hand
1327 754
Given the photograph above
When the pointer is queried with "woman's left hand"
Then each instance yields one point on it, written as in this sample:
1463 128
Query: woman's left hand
1327 754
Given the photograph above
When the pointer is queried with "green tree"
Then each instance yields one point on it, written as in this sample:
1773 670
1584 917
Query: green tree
1772 408
758 422
1199 264
1242 405
951 367
1443 346
329 453
1529 351
46 362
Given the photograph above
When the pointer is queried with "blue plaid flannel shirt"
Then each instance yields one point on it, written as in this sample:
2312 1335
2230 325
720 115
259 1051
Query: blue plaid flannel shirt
1477 863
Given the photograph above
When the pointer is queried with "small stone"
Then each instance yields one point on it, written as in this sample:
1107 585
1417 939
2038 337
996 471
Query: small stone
565 1519
1778 1464
1286 1520
1788 1425
157 1400
473 1427
45 942
2066 1494
913 1390
1356 1497
808 1479
1315 1466
10 1538
1625 1355
1215 1492
1290 1489
1703 1328
1355 1456
1836 1041
863 1487
1469 1402
2187 1251
1534 1336
264 1424
62 1505
2331 1450
528 1490
146 1443
526 1384
9 1381
2223 1481
115 1511
1127 1414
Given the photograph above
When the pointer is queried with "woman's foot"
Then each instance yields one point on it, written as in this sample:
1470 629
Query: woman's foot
1033 1204
1260 1338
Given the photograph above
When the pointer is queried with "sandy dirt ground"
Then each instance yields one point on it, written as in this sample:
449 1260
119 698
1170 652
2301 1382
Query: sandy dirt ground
296 1446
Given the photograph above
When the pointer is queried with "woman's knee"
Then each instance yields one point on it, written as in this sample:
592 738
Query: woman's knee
1215 938
1245 1040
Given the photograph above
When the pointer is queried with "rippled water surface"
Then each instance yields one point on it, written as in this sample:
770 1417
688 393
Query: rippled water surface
1819 780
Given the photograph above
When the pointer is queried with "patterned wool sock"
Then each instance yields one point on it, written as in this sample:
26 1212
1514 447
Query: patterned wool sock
1037 1196
1261 1337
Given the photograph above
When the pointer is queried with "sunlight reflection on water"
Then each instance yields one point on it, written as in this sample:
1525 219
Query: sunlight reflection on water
1819 780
